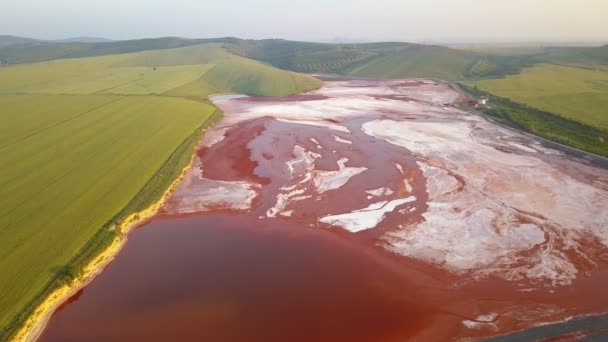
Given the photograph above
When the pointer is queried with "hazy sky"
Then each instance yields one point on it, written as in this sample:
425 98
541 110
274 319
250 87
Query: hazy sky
320 20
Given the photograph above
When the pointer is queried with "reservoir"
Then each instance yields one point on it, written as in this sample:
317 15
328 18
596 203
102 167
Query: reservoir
363 211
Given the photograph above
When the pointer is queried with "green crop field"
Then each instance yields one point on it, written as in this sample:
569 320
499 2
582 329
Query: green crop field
86 141
580 94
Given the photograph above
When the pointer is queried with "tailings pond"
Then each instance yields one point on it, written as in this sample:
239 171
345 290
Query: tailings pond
364 211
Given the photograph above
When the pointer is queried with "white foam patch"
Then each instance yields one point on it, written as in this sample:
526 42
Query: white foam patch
475 226
439 181
344 141
330 180
384 191
366 218
283 200
343 101
206 194
399 167
491 212
482 321
407 185
463 240
522 147
302 161
287 213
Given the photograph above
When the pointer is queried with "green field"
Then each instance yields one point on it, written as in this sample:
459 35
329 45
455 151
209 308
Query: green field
193 71
576 93
544 124
86 141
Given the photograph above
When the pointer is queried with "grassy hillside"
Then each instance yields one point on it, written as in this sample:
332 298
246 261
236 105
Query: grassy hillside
580 94
86 141
234 74
381 60
419 61
376 60
193 71
560 93
6 40
578 56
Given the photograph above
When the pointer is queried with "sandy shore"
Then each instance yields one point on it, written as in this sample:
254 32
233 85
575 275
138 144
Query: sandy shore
35 324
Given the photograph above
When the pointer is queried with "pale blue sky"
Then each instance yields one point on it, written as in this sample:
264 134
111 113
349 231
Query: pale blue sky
404 20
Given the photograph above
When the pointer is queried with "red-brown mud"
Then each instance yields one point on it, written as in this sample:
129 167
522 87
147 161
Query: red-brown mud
365 211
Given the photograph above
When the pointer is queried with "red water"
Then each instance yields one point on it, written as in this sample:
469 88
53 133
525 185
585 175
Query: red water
225 274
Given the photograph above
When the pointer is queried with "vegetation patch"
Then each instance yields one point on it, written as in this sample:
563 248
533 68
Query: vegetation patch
543 124
580 94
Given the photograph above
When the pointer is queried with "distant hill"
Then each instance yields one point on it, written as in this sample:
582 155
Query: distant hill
377 60
46 51
372 60
577 55
343 40
86 40
6 40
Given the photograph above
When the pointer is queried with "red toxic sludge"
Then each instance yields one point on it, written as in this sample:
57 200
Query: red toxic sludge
364 211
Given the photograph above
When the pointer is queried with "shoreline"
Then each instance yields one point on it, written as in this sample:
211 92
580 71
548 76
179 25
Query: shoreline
38 320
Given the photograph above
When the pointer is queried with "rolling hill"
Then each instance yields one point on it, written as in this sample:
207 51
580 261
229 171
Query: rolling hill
40 51
373 60
7 40
85 39
577 56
